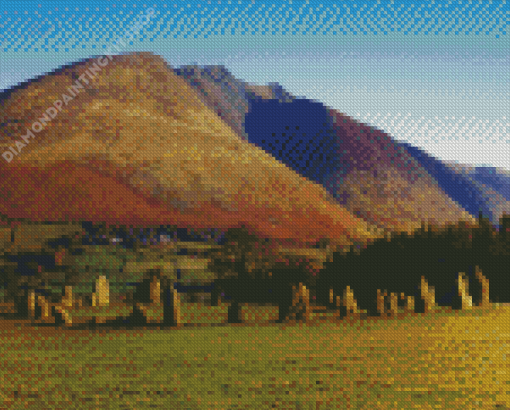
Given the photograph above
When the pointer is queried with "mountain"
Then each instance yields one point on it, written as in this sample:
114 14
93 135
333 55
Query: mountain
137 146
379 180
495 178
364 169
227 96
485 189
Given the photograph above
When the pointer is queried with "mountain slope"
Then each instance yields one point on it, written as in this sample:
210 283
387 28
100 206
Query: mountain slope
138 147
362 167
227 96
330 149
382 180
474 188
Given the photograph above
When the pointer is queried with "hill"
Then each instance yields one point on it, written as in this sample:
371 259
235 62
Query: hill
365 169
138 147
490 187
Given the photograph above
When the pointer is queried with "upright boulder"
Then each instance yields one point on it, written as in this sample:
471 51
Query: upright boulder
350 302
32 304
46 311
172 307
68 299
427 294
409 307
393 310
485 287
467 300
151 302
101 296
300 309
155 291
63 310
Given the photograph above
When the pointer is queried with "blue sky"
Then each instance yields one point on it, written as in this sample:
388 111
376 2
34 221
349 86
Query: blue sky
435 74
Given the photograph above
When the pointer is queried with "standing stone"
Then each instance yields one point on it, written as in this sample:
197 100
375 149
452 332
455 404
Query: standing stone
380 302
63 308
304 303
101 296
300 308
462 283
427 294
331 296
308 309
350 302
31 304
409 308
46 315
67 300
485 287
149 292
156 291
176 307
104 291
393 304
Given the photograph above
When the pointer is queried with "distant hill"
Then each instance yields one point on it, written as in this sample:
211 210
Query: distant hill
329 148
485 189
495 178
256 111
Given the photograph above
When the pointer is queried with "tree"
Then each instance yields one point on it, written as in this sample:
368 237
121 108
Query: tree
250 269
396 264
30 262
504 232
243 254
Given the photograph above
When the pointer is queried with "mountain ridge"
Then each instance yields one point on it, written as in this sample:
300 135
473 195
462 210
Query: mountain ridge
249 115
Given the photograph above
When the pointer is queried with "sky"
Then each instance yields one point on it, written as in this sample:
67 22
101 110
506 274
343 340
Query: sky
435 74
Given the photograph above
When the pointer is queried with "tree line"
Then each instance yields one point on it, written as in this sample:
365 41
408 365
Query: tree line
248 268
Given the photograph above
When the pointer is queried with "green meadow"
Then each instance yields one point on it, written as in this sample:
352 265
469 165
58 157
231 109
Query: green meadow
443 359
440 360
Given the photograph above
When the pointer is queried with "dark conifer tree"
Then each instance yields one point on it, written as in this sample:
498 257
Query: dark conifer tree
396 264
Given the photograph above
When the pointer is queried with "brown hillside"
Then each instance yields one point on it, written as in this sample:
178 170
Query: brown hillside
385 185
138 147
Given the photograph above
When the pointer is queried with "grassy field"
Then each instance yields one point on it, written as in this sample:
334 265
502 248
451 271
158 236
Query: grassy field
441 360
447 360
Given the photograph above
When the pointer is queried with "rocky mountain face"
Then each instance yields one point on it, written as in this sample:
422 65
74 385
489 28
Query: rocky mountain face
383 183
